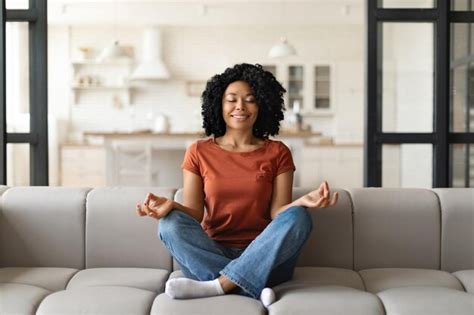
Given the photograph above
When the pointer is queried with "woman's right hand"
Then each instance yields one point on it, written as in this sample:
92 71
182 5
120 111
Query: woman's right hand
155 206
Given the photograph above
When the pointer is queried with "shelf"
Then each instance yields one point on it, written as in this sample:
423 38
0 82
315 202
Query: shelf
118 62
102 87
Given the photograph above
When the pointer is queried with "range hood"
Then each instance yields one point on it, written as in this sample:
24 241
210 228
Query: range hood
151 67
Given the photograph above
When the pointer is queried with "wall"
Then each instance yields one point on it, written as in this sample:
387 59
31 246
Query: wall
196 53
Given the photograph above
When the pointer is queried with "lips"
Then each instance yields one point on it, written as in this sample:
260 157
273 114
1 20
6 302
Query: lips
240 117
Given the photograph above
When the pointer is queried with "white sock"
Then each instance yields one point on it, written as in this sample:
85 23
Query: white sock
267 297
184 288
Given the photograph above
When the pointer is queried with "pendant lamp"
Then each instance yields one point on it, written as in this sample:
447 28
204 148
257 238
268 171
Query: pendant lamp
282 49
113 50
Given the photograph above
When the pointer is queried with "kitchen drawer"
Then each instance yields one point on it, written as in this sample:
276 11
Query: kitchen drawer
82 166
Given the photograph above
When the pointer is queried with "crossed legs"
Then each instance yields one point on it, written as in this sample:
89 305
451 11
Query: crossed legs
267 261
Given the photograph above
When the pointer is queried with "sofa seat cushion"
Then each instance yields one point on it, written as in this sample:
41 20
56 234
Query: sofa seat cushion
230 304
322 276
426 300
467 279
20 299
315 276
98 300
141 278
380 279
52 279
328 300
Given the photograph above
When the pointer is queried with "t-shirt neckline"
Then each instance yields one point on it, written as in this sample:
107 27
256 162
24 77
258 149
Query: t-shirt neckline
263 147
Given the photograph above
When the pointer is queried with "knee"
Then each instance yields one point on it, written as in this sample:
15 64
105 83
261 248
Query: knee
300 220
168 227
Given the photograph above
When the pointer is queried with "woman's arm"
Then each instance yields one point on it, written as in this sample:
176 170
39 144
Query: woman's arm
193 194
282 195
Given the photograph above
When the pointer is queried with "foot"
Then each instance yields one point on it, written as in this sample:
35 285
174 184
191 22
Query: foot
183 288
267 297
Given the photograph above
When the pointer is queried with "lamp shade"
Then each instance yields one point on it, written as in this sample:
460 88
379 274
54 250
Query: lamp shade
112 51
282 49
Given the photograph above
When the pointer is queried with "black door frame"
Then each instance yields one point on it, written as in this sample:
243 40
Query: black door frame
37 138
441 138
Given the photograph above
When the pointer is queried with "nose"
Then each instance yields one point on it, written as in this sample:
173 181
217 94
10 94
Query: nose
240 104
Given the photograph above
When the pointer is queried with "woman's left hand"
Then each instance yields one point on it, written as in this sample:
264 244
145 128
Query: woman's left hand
319 198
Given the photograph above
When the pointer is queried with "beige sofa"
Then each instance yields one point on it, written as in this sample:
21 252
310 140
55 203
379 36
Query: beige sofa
378 251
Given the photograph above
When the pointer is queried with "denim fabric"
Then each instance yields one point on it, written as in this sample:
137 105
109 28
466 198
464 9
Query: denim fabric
269 259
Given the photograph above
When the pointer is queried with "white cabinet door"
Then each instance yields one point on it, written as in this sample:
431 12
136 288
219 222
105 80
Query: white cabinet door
82 166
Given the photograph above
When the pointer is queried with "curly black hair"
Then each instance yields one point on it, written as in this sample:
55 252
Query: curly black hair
268 93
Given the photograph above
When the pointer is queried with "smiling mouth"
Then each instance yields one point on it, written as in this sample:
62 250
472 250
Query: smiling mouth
240 117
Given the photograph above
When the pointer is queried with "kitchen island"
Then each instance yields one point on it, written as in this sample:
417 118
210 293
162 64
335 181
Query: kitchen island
148 158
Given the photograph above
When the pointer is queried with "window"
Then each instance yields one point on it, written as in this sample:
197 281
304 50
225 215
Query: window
25 112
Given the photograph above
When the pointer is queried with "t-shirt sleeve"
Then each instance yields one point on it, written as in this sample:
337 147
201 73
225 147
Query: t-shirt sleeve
191 160
285 160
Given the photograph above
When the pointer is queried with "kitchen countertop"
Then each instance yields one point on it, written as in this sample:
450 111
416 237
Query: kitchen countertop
303 134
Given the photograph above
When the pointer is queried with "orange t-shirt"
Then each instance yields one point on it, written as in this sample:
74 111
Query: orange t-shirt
237 187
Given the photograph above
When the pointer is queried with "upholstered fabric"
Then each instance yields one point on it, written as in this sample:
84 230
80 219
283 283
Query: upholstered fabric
51 279
323 276
396 228
3 189
20 299
380 279
457 218
176 274
466 277
328 300
226 304
378 251
330 242
427 301
314 276
117 236
98 300
140 278
42 227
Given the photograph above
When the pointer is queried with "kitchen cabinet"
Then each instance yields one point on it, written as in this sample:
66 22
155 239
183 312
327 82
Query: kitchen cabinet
82 165
96 82
310 86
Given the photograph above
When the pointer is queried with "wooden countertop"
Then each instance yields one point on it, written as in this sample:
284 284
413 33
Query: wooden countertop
303 134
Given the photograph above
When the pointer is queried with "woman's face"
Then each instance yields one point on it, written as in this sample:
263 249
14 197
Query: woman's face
239 108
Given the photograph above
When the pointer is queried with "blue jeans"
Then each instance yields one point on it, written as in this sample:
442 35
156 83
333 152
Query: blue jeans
268 260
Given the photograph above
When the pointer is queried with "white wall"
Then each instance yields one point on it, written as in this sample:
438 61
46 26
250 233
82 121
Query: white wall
197 53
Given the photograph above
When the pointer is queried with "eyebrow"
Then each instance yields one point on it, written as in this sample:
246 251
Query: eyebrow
232 93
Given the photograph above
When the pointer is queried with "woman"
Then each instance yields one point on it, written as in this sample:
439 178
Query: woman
251 232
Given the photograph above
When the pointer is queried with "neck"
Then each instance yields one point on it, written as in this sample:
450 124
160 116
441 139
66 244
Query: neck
239 138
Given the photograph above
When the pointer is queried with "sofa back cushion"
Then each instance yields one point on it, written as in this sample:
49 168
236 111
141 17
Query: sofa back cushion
457 225
330 243
116 236
42 227
396 227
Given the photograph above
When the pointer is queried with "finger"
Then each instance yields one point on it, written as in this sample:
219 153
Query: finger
147 199
320 203
139 210
325 203
154 215
321 190
326 187
334 198
146 209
